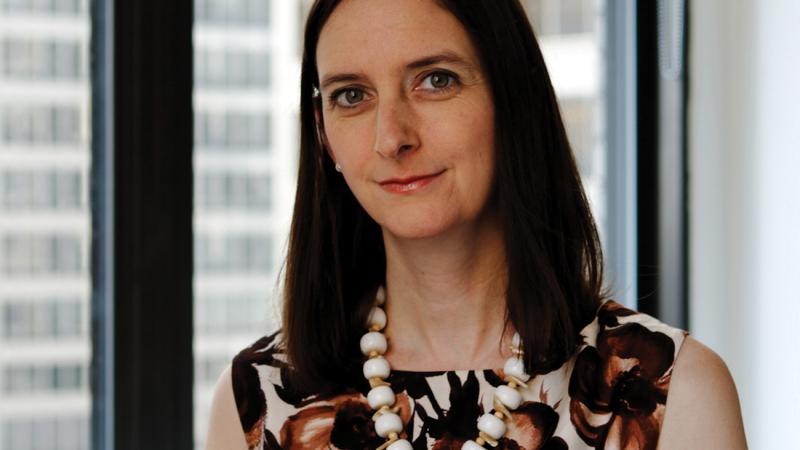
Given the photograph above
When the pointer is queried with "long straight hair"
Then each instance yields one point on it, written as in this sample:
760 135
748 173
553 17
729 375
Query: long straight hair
336 258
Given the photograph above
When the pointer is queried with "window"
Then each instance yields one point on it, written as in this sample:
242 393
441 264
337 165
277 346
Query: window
37 255
41 190
232 131
231 313
46 432
228 190
51 124
42 59
43 379
563 17
39 319
232 68
239 13
234 253
53 8
44 231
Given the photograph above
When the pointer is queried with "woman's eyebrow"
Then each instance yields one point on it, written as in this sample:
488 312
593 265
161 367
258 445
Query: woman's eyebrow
444 57
339 78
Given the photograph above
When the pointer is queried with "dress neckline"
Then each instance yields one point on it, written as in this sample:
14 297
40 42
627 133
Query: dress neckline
434 373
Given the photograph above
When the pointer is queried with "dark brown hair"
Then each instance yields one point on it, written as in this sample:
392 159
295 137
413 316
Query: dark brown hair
336 257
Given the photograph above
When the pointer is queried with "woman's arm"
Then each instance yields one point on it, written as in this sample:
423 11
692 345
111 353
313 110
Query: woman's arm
702 407
224 429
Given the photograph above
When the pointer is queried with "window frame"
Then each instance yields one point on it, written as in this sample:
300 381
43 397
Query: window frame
141 203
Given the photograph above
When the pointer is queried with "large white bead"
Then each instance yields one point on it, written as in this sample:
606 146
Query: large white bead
515 367
388 423
380 396
508 396
380 296
376 367
373 341
402 444
491 425
472 445
377 318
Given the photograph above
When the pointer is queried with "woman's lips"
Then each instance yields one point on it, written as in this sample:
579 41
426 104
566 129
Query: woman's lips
410 184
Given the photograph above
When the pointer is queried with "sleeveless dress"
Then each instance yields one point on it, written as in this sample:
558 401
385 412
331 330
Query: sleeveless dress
610 394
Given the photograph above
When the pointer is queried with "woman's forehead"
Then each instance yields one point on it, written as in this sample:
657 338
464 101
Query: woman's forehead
389 34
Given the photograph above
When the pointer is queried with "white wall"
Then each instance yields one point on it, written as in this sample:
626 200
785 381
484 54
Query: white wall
744 145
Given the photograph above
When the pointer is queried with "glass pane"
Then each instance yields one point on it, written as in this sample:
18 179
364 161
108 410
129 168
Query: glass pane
245 104
44 225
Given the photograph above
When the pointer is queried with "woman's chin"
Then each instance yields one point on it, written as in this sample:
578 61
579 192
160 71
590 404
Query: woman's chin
408 228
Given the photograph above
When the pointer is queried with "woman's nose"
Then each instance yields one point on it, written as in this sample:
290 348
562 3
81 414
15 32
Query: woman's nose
395 129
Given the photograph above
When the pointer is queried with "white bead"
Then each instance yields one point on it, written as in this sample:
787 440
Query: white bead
376 368
491 425
472 445
380 296
402 444
377 318
516 341
373 341
508 396
515 367
388 423
380 396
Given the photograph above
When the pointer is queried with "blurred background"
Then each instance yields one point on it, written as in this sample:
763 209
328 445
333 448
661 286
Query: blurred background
683 117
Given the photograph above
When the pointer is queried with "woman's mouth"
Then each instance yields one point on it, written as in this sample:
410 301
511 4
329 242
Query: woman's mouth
409 184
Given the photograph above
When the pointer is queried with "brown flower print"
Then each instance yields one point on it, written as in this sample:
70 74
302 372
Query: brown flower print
619 389
531 427
343 422
247 389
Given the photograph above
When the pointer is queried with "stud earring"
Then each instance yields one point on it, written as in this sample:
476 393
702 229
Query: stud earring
338 168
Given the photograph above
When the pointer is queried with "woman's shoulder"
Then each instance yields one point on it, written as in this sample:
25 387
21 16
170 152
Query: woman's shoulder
703 406
649 375
621 377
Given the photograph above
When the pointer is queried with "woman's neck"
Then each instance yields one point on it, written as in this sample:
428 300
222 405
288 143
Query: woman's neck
446 300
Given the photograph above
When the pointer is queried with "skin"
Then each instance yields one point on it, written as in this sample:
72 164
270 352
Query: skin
387 115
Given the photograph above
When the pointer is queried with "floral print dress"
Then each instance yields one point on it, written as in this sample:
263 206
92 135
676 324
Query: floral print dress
610 395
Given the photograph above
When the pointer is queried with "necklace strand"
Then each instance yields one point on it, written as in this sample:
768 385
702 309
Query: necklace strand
381 398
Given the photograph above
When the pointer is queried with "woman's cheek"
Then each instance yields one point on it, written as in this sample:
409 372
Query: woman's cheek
348 141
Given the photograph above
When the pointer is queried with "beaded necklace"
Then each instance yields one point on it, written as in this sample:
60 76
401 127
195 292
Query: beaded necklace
381 398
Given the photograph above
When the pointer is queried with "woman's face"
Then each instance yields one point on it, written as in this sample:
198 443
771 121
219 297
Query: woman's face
407 113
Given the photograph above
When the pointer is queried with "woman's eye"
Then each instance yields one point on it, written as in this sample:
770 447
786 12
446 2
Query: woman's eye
349 97
438 81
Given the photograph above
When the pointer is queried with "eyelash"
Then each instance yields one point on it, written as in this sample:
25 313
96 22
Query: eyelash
454 81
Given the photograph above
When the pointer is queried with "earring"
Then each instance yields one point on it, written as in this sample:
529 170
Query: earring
338 168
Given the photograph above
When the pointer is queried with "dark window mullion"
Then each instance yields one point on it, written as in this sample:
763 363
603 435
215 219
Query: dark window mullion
146 99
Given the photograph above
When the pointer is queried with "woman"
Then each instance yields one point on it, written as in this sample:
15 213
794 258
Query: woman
437 190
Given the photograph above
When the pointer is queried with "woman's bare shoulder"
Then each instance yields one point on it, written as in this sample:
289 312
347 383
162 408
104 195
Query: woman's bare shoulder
702 408
224 428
